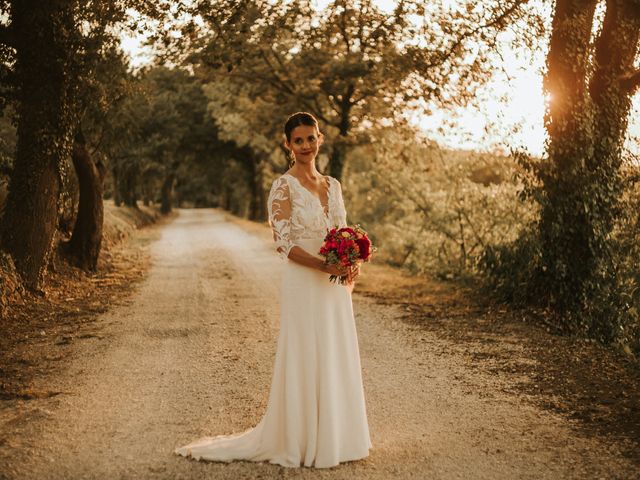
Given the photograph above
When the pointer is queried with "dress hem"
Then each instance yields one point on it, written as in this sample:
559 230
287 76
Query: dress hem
185 453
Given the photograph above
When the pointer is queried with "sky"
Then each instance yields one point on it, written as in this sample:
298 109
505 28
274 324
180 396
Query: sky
509 115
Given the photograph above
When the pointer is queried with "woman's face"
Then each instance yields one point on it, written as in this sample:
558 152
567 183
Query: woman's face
305 142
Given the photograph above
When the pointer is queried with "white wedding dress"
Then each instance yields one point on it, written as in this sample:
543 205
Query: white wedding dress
315 416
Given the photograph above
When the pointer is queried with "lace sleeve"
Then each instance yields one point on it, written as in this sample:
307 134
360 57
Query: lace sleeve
279 206
340 218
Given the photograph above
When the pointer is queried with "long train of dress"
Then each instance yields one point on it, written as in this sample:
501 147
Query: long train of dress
316 413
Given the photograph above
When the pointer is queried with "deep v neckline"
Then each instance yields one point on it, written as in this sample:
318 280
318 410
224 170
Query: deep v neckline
325 210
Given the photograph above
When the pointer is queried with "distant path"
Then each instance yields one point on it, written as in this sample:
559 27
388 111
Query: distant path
192 355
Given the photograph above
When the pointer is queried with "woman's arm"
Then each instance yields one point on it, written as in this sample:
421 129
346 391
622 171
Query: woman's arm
279 205
301 256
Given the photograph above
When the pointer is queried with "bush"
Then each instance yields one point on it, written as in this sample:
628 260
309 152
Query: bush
604 306
432 210
509 270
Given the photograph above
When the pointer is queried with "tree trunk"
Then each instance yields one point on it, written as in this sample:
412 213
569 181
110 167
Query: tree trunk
148 185
45 79
257 209
167 193
564 228
227 195
586 122
84 246
129 186
616 50
117 197
339 151
337 159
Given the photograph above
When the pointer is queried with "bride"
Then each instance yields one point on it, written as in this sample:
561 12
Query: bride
315 415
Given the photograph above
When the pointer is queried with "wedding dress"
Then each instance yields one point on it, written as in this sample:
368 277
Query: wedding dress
315 415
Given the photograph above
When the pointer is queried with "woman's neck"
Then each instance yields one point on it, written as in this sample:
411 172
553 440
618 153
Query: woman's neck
308 171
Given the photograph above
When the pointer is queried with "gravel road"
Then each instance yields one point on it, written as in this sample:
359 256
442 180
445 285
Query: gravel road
191 354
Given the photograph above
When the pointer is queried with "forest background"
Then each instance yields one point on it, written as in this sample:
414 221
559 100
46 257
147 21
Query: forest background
200 126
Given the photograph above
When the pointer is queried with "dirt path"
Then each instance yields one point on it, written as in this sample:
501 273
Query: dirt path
192 354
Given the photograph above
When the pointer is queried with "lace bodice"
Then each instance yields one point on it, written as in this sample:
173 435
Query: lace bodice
296 213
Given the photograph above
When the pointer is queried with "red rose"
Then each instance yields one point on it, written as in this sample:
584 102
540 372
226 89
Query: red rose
365 247
346 246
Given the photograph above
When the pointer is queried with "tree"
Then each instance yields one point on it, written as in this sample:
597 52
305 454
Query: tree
47 112
98 96
352 65
158 135
176 126
44 129
122 143
86 238
572 255
590 86
429 209
245 119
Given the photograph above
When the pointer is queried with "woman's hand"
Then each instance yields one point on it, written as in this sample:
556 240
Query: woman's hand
337 270
352 273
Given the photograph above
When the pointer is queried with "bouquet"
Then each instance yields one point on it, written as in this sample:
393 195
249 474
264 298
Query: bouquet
346 246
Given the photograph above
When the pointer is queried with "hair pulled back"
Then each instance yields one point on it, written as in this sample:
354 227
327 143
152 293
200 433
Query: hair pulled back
296 120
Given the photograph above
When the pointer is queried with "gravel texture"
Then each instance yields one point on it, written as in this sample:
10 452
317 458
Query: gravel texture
191 354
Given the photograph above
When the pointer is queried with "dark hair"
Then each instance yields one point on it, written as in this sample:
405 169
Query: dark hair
297 119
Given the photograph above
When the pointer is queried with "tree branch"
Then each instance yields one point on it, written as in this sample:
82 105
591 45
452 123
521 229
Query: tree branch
493 23
286 86
343 30
362 96
630 81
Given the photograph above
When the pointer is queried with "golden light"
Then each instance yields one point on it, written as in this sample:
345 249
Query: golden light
509 114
